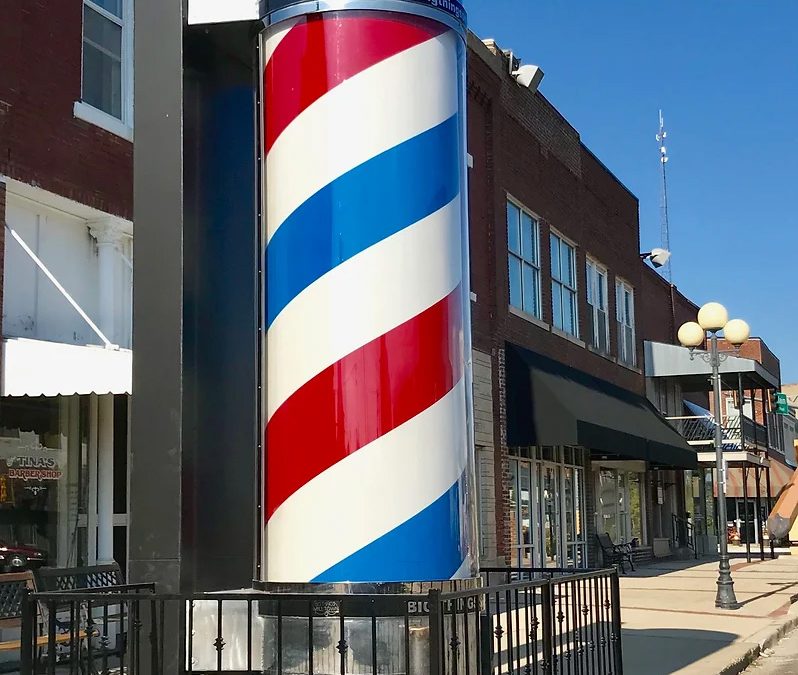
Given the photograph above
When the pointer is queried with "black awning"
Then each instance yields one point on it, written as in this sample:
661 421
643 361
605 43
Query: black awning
549 403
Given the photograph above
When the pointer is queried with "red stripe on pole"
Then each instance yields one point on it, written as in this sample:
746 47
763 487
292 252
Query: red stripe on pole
311 59
362 397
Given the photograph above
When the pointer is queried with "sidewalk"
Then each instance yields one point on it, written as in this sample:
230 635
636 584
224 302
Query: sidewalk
671 625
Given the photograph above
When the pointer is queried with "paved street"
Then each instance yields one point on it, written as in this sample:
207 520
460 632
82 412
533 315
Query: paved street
781 659
671 625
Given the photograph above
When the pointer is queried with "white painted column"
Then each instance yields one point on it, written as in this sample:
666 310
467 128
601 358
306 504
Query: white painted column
69 414
105 479
92 478
108 233
73 469
62 523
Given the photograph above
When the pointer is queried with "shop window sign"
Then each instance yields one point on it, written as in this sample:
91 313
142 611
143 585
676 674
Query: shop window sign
28 460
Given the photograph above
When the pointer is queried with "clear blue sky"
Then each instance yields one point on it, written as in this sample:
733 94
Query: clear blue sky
726 76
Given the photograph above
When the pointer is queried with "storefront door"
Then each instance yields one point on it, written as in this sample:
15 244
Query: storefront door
523 514
747 521
620 505
547 510
551 526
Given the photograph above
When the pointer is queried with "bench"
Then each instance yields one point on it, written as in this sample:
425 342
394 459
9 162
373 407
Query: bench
51 579
615 554
102 580
14 589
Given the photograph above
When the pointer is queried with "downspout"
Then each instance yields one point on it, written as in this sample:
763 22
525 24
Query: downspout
673 316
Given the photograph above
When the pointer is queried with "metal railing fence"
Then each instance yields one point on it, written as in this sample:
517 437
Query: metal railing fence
532 622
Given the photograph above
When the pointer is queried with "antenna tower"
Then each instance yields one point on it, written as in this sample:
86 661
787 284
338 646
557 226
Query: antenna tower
665 234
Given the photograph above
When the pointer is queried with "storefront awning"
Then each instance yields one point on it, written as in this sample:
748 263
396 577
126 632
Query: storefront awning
780 475
39 368
664 360
549 403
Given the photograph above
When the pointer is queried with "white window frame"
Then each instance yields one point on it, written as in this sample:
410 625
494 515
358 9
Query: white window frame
597 280
87 112
558 285
625 322
532 262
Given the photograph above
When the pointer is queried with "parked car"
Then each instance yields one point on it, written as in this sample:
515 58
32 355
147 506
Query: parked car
20 557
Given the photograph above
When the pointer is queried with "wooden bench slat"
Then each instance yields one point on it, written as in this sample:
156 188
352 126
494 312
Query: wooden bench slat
43 641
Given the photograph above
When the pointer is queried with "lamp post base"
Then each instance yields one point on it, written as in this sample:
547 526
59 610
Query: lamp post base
725 599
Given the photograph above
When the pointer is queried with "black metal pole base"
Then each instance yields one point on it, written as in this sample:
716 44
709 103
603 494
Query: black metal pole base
725 599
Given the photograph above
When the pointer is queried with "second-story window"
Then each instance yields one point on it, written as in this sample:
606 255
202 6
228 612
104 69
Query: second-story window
563 285
625 314
107 57
598 320
523 244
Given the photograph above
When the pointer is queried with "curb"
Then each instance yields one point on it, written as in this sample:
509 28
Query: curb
755 652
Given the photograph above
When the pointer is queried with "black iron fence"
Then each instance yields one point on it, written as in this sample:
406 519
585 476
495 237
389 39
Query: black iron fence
522 622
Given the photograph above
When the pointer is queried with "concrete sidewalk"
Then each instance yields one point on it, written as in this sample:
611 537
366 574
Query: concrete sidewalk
671 625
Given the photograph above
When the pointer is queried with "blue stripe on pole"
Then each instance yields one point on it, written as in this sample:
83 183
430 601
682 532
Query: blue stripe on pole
425 548
371 202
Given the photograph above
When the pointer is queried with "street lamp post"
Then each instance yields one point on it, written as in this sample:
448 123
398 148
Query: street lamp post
713 318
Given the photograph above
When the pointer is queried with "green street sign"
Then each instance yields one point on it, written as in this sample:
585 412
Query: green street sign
780 404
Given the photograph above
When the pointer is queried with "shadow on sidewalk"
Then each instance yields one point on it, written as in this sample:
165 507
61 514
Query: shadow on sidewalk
660 651
668 565
660 567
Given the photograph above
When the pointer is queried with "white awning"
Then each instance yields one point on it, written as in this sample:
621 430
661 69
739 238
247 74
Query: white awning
39 368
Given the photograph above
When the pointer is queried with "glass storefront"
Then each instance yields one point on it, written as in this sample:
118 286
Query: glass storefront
48 474
547 507
620 505
40 471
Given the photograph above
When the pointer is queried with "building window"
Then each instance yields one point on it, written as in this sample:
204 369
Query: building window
523 244
563 285
597 316
625 314
107 57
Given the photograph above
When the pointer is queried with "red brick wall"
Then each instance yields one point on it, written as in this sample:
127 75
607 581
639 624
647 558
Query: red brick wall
522 146
41 142
757 350
555 177
662 309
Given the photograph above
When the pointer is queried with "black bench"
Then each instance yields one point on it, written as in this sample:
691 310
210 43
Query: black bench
14 589
50 579
615 554
65 623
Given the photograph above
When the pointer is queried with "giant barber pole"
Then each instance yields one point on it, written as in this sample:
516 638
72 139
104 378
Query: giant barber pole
367 411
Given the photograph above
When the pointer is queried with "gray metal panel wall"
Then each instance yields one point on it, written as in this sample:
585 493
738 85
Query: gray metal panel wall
193 469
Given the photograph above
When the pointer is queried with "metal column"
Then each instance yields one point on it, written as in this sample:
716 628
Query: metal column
745 513
770 508
767 445
758 519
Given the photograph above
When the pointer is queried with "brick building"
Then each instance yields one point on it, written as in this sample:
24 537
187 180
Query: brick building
566 439
66 193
